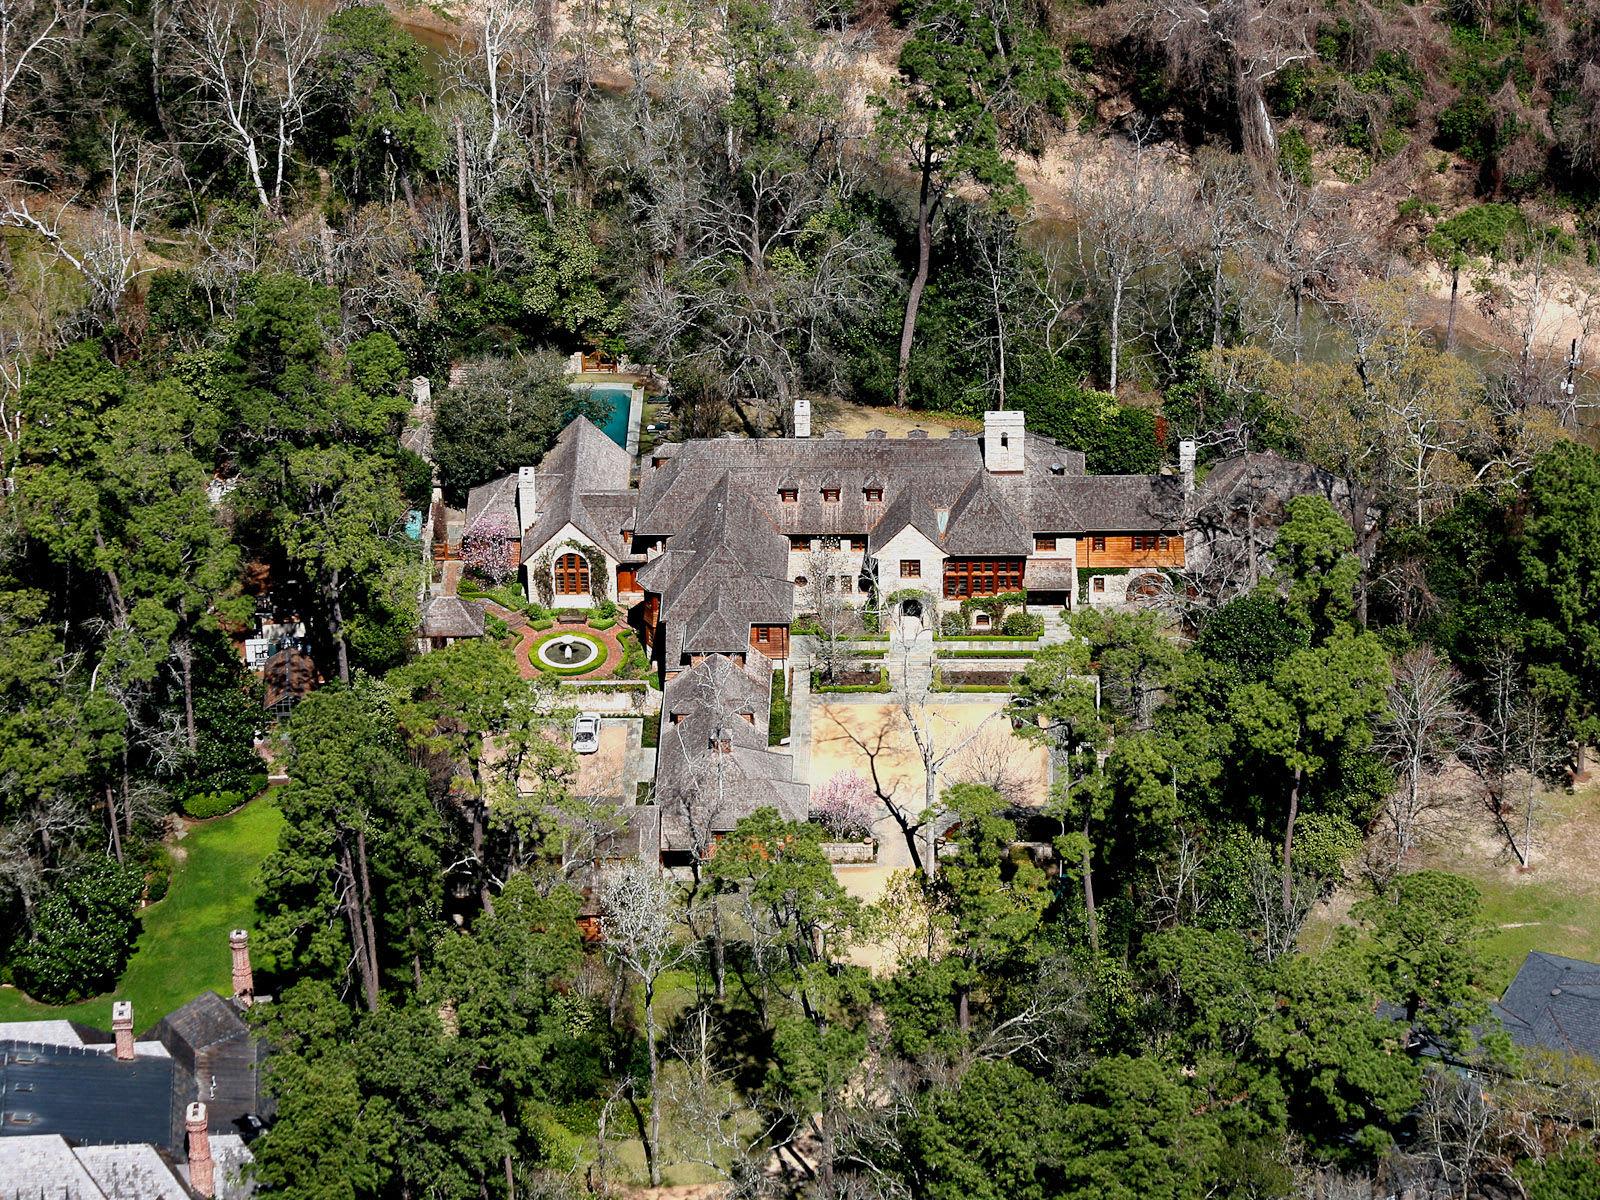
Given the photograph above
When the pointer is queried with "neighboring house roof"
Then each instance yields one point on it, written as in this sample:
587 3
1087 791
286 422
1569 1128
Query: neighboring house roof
89 1095
714 766
1554 1004
452 617
48 1165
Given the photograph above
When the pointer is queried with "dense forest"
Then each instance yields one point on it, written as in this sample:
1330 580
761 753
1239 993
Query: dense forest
232 232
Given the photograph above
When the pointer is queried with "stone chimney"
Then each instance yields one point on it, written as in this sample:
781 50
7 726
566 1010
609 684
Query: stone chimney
802 418
1186 464
527 499
1004 431
422 394
244 986
202 1175
122 1027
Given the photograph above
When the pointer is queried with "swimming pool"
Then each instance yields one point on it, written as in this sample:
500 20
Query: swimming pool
621 422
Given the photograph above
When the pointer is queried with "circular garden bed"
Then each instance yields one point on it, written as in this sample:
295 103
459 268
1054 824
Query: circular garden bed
568 652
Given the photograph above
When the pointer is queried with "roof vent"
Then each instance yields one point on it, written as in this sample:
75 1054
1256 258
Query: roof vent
957 433
1057 469
876 435
832 433
1555 991
916 435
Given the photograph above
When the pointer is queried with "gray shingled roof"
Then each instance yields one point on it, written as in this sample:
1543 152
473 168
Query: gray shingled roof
724 572
1554 1004
497 498
452 617
585 480
700 788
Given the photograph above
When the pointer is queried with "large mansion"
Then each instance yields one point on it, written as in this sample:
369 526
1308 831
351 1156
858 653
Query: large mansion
714 544
714 550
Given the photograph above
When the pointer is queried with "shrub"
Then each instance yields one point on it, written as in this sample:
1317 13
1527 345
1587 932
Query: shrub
82 933
605 610
202 806
158 873
600 624
846 807
1022 624
495 629
953 624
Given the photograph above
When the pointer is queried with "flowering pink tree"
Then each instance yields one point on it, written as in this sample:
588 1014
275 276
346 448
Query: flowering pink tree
486 549
846 807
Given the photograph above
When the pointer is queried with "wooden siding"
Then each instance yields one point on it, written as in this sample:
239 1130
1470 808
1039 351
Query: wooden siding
777 643
1120 554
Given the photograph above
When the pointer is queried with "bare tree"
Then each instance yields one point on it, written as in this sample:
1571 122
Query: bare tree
637 902
293 33
1456 1123
1427 725
32 32
224 48
1241 44
104 246
830 581
1124 218
1514 752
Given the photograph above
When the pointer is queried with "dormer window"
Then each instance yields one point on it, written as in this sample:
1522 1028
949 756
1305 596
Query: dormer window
799 541
789 495
872 494
830 495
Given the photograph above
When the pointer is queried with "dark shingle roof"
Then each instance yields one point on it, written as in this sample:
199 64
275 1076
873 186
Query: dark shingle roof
1554 1004
725 571
495 499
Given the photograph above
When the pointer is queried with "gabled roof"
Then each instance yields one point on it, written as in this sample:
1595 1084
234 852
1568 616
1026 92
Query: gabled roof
726 571
583 481
452 617
1554 1004
701 789
496 499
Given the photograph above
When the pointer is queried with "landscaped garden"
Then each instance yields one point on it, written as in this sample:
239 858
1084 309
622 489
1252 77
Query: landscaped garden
183 944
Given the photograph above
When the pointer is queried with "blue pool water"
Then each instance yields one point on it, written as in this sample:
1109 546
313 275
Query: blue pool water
617 398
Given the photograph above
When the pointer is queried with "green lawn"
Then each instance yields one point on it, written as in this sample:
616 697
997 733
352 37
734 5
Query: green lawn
1553 907
183 943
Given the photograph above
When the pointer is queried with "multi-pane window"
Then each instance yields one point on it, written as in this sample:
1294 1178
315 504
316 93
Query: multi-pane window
1165 542
872 493
1098 584
858 545
981 576
763 635
789 495
910 568
798 541
831 495
1098 543
572 575
1044 541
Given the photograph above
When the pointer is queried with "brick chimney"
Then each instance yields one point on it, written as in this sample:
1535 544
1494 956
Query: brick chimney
122 1027
202 1178
244 987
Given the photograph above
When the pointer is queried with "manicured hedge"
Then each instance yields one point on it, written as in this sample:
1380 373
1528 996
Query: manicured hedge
594 664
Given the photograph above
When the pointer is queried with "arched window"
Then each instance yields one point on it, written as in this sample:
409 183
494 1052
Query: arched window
572 575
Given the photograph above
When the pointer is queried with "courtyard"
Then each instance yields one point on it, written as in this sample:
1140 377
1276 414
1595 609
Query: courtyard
869 735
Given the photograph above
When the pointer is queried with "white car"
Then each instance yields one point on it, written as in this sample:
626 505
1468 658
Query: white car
586 733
